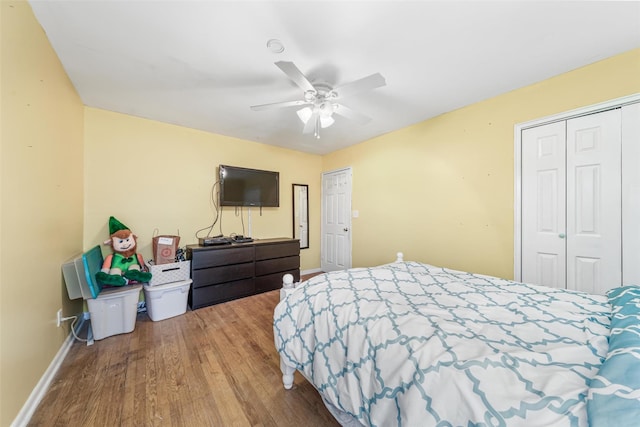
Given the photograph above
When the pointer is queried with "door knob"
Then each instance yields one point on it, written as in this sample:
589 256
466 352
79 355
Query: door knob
345 229
561 235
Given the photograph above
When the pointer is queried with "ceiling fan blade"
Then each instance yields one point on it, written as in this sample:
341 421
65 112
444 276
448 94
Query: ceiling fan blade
278 105
296 75
351 114
366 83
311 124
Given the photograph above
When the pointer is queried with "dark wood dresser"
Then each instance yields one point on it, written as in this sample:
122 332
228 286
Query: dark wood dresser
226 272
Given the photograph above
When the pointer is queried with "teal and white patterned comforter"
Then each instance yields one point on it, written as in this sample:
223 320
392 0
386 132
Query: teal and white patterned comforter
410 344
614 395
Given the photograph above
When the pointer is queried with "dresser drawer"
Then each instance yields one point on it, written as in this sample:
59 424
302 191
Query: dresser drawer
208 295
276 265
274 281
222 256
227 273
277 250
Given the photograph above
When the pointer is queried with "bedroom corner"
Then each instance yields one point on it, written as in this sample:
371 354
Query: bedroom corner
41 202
444 188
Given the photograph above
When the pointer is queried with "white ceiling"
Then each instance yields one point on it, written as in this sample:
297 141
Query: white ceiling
201 64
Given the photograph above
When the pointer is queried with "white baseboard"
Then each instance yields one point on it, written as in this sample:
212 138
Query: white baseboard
30 406
313 270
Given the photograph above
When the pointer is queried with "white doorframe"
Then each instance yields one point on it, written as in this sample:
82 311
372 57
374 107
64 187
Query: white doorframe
518 128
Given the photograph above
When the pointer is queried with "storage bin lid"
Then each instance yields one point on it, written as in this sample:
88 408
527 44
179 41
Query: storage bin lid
166 286
92 260
119 291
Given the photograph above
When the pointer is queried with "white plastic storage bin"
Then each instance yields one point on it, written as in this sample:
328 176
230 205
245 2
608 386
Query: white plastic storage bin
165 301
114 311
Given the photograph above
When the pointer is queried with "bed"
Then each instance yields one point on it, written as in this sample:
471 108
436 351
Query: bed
411 344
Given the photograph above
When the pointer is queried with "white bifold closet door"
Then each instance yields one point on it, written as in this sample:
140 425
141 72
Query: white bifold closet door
572 203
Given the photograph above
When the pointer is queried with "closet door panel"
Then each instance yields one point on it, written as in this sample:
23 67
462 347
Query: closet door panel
631 194
587 273
543 207
594 202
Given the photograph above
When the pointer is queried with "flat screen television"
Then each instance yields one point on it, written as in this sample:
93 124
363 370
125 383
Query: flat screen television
249 187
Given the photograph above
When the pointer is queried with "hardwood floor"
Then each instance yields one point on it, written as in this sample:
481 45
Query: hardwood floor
215 366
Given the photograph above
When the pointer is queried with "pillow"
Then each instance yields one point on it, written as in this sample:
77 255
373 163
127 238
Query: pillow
614 393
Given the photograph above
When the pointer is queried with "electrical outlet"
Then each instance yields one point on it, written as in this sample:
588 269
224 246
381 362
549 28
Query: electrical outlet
59 320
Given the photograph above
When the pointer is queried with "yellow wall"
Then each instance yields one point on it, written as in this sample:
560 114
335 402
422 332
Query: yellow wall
442 190
153 175
41 202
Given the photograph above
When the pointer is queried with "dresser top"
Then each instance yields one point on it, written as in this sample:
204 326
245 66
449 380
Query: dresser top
256 242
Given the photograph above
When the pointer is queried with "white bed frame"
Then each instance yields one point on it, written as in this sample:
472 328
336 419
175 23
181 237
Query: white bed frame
287 287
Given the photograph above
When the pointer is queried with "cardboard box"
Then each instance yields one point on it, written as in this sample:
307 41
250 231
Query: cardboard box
168 300
168 273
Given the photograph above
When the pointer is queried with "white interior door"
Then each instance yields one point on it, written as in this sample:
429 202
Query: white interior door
543 205
594 202
336 220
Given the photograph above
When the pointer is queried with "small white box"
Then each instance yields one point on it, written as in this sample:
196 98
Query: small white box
168 273
72 278
80 274
114 311
165 301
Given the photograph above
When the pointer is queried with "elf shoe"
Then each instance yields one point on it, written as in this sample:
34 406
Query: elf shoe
110 279
138 276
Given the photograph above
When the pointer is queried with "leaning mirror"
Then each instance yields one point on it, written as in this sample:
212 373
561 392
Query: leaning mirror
301 214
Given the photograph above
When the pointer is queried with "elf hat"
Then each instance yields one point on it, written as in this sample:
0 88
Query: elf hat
115 226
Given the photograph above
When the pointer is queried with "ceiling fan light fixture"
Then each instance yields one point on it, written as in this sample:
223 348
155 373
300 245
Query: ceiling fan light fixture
320 98
326 109
325 122
305 114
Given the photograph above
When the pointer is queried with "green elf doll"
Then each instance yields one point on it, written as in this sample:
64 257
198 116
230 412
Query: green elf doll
124 265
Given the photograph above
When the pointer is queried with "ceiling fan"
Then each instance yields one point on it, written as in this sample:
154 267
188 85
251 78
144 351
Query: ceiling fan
320 99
